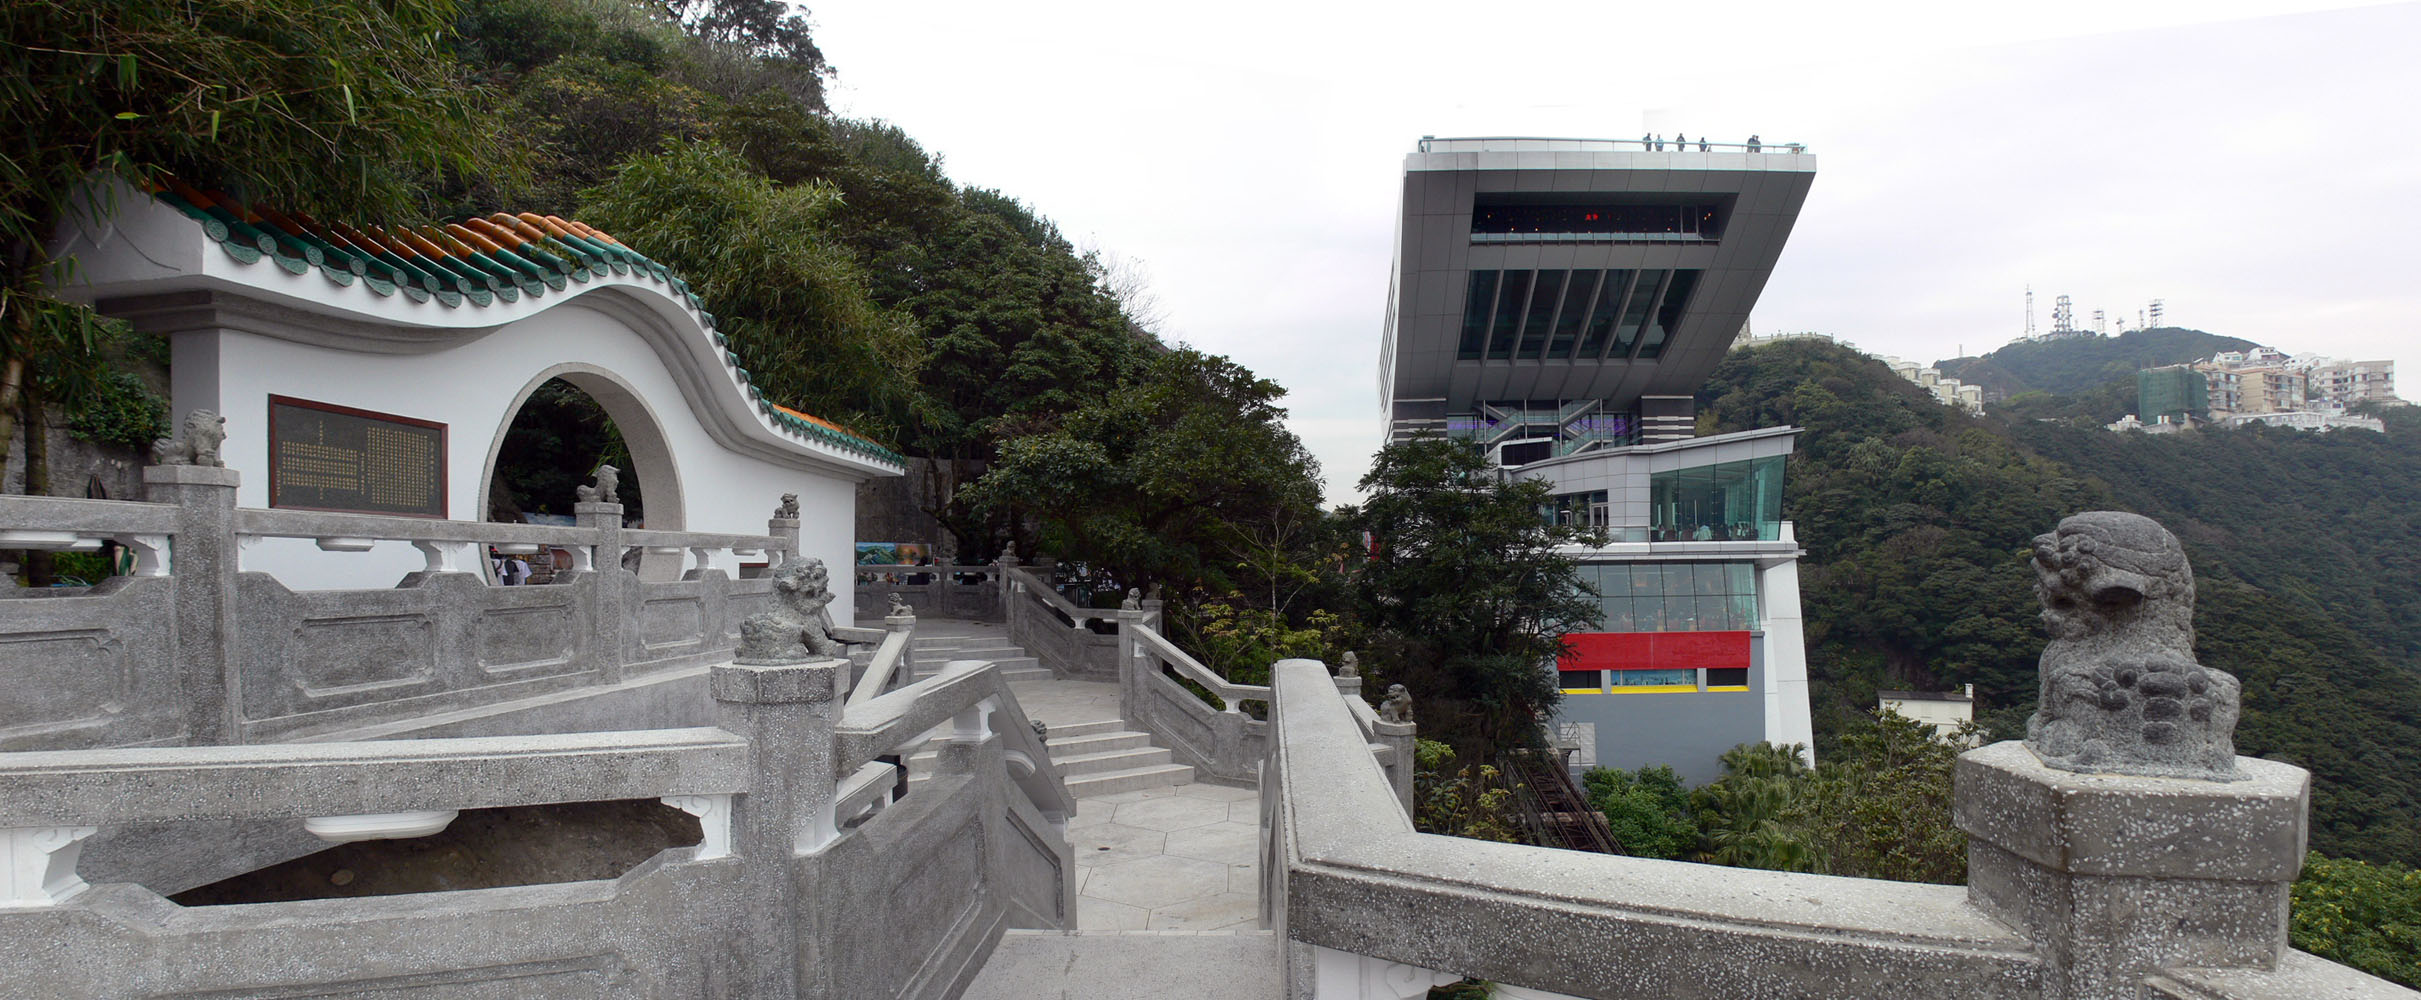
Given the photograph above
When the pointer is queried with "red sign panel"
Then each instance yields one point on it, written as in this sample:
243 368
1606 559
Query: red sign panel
1653 650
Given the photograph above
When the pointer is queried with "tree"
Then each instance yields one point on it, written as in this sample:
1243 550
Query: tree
1153 480
2364 915
337 110
782 288
1465 592
1647 809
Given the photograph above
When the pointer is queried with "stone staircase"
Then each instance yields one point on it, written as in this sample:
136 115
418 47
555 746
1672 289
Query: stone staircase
1101 757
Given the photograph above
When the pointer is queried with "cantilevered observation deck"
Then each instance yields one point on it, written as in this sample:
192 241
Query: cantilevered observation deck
1534 271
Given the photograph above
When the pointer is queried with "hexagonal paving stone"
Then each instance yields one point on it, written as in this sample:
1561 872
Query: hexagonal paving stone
1244 878
1227 909
1103 915
1110 843
1226 843
1171 813
1157 881
1138 795
1218 793
1243 812
1090 813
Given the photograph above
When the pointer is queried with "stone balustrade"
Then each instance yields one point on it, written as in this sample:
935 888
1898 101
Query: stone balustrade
809 879
2085 887
939 589
192 649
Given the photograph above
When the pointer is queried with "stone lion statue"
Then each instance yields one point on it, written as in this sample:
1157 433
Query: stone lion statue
607 488
1351 667
800 624
789 510
2121 691
196 443
1397 707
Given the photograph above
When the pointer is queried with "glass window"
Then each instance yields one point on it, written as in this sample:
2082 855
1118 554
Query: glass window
1575 309
1508 318
1601 315
1580 680
1675 596
1722 678
1715 612
1656 678
1617 611
1635 314
1478 300
1543 296
1668 314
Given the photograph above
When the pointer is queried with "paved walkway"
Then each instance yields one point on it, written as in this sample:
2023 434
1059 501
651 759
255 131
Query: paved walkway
1167 879
1184 858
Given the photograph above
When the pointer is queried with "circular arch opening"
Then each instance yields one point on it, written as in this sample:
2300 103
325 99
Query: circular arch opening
564 423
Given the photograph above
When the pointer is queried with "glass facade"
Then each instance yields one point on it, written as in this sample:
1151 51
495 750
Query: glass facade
1501 222
1587 509
1728 501
1675 596
1558 314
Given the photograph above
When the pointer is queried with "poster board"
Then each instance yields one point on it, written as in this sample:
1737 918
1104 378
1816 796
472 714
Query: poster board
338 458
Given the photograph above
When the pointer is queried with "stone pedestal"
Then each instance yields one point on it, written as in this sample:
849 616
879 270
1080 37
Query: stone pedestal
207 556
614 615
787 712
2116 876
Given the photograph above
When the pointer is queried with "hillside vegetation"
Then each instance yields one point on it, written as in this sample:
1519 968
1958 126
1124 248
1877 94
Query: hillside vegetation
2075 365
1916 519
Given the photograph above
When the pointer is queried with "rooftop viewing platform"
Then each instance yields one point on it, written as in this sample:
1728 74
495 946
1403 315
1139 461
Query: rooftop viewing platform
1651 143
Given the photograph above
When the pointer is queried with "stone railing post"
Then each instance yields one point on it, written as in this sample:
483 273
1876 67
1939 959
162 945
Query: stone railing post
786 529
905 673
1133 660
610 615
1152 616
206 558
1397 737
787 712
2117 876
1008 593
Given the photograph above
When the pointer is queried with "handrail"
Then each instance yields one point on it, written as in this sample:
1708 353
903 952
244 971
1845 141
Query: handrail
888 721
1193 670
1346 849
699 540
1429 144
86 516
287 780
1042 590
273 523
887 658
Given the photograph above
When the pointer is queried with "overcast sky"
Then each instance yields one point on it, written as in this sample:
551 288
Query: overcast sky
2250 163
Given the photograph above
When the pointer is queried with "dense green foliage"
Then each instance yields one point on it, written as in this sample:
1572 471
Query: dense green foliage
1471 801
1879 807
342 109
551 449
1916 520
2078 364
1463 592
2364 915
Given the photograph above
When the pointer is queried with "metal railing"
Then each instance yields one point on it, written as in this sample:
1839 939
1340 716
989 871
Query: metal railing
1556 144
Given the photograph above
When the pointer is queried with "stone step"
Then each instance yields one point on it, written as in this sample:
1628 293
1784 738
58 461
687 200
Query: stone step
1072 765
1131 780
1096 742
1066 730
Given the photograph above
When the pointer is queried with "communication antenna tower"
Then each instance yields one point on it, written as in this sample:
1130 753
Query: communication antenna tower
2030 312
2098 325
2155 312
2063 317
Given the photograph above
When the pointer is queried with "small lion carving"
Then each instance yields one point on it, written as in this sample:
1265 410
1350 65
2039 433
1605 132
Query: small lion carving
1397 708
800 624
789 510
607 488
2121 691
197 443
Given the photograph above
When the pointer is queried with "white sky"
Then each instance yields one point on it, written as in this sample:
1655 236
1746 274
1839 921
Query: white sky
2249 162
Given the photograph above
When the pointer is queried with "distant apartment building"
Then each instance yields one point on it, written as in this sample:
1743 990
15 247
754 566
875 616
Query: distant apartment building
1949 391
2262 385
2172 394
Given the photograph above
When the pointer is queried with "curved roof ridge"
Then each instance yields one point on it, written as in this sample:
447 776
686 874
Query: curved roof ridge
479 261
